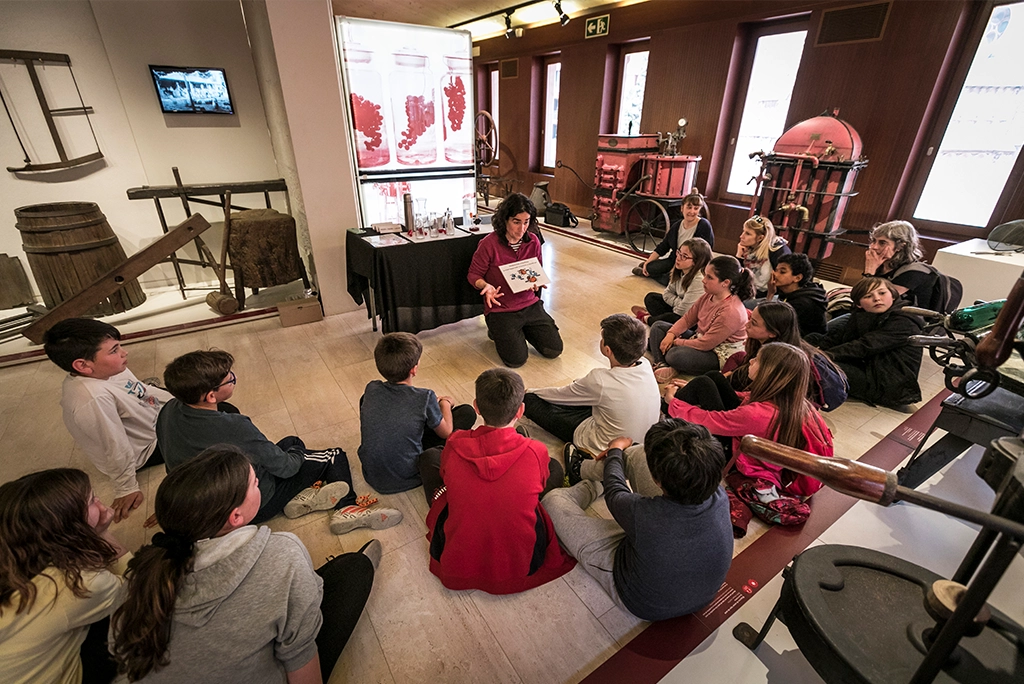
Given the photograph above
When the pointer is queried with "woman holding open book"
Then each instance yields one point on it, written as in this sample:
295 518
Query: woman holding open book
513 318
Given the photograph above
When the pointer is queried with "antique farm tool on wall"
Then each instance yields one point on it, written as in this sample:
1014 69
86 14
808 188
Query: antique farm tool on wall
807 180
859 615
29 59
113 280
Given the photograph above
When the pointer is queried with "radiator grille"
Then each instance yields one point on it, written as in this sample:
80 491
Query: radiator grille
857 24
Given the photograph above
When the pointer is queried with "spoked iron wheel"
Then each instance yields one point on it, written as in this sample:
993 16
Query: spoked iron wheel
646 224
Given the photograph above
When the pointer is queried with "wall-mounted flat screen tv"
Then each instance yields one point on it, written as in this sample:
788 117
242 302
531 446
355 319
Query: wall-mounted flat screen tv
192 90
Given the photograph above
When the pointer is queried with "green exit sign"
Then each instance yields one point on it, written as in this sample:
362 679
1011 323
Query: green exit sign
597 26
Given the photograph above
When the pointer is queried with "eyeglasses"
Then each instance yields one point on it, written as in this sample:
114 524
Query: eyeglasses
684 257
231 381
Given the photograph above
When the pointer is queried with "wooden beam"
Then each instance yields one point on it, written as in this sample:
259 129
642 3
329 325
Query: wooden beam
150 191
136 265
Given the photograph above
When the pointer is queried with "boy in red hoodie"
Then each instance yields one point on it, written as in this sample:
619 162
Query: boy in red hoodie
486 526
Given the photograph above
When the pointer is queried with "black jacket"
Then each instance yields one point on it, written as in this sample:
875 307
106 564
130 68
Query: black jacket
874 353
671 240
809 303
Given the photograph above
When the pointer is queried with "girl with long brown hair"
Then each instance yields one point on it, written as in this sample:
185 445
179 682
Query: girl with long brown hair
776 407
216 599
690 225
60 579
685 285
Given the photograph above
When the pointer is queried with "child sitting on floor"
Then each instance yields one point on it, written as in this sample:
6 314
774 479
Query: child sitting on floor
486 526
775 408
793 282
685 285
759 249
621 400
397 421
109 413
873 348
292 479
670 545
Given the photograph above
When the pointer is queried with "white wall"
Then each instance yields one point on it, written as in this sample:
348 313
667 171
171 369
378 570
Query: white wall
303 35
111 44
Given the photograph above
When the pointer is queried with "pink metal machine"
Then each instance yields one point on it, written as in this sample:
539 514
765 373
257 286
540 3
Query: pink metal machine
638 179
807 180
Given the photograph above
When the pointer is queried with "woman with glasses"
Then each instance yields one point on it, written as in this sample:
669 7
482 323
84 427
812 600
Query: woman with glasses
685 285
894 253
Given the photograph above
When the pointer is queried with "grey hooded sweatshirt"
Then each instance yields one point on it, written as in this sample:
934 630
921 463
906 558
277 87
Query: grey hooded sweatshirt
250 616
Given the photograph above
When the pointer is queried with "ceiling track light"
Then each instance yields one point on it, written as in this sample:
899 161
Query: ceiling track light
509 31
563 18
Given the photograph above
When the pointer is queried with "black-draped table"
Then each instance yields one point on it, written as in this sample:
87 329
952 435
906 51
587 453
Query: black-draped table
417 285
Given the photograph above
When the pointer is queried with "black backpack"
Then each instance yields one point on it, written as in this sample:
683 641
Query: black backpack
947 291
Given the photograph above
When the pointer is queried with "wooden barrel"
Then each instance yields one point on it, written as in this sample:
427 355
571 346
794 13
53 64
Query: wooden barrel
69 246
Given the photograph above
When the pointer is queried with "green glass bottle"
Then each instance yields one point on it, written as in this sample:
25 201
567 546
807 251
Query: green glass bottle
975 317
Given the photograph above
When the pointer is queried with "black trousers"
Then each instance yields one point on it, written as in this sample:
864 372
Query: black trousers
561 421
658 310
98 666
659 269
463 418
314 467
711 392
511 330
347 583
430 473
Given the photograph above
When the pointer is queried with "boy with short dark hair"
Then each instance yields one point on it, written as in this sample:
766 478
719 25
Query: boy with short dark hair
793 282
670 544
486 527
398 422
292 479
621 400
110 414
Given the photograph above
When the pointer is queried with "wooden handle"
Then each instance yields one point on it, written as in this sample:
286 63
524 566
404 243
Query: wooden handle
849 477
993 351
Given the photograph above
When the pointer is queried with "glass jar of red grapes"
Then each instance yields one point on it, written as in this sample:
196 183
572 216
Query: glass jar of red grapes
368 111
412 102
455 102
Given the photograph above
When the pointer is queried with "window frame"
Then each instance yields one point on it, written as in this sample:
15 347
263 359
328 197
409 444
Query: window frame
643 45
976 21
751 33
546 62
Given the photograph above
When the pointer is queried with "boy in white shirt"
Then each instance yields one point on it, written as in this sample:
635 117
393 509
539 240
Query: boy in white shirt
110 414
619 401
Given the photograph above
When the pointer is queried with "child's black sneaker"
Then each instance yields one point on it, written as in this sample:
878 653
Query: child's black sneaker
573 458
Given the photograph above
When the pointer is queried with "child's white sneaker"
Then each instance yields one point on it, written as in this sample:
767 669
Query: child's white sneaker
364 514
319 497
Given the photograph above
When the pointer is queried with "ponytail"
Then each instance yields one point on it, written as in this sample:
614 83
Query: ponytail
193 502
741 280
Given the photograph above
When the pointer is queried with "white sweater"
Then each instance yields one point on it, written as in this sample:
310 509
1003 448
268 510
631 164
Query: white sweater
681 300
114 422
626 403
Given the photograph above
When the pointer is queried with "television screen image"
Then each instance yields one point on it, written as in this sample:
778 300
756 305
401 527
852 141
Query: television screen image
192 90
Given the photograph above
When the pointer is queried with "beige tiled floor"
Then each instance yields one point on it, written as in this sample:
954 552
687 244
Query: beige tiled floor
307 380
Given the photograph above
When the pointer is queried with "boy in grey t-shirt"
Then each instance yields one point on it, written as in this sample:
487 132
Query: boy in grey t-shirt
397 421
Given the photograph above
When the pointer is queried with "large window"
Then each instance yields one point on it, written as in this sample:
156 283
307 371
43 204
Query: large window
766 104
549 143
631 92
495 77
986 129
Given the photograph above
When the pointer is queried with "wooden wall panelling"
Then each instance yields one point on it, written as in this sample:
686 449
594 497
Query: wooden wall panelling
882 88
686 77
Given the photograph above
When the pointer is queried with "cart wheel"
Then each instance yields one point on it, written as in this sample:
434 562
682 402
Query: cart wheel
646 223
486 146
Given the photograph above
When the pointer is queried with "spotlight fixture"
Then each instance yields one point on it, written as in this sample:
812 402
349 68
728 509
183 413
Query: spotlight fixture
563 18
509 32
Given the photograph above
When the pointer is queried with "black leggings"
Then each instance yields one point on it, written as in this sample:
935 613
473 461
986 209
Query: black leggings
347 582
658 309
711 392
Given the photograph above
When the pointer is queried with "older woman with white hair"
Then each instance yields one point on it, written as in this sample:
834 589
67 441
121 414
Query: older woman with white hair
894 254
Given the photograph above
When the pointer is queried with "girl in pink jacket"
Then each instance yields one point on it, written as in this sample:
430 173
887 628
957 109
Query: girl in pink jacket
776 408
